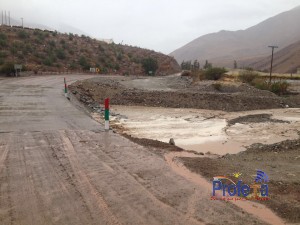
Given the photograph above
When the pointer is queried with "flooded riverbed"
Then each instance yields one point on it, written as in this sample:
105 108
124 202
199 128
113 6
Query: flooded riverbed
205 130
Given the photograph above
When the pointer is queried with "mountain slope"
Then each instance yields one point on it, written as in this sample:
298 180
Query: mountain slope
286 60
52 51
224 47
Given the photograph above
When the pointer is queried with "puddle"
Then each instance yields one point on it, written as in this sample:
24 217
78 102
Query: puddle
205 130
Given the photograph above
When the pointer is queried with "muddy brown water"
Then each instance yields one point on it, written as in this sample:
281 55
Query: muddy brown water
206 130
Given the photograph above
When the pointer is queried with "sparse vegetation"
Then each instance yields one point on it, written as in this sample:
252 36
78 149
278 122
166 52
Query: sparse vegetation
277 87
150 65
53 51
214 73
84 63
60 54
23 34
248 76
7 68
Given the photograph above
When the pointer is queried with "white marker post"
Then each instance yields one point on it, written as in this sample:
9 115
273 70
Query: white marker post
106 114
66 88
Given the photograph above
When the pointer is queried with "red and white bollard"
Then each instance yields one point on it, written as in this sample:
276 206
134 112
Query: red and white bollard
106 114
66 88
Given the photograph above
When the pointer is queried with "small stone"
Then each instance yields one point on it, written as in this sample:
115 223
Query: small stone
199 153
172 142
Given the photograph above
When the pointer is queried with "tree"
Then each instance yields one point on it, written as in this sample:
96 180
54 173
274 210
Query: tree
207 65
196 65
186 65
150 65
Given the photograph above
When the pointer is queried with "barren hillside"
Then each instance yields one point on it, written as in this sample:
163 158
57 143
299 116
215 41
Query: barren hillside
224 47
286 60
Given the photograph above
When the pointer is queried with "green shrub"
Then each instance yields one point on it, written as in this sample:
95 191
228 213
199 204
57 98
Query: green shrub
104 70
277 87
3 43
71 51
3 36
117 66
214 73
27 49
3 54
150 65
71 37
248 76
60 54
84 63
73 65
48 61
23 34
7 68
52 44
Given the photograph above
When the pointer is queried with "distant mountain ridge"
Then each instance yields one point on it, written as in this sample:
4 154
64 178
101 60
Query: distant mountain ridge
224 47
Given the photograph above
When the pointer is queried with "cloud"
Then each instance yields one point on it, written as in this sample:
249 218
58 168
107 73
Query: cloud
161 25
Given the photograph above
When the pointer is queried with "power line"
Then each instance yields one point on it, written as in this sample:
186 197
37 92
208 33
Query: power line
273 47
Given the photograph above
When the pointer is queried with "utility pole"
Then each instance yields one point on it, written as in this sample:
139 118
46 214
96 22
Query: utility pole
8 18
22 22
272 46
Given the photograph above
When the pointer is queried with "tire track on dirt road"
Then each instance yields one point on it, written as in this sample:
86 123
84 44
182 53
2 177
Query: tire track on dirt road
85 181
4 153
112 165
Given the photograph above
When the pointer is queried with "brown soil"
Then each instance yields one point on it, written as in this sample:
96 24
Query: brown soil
177 92
281 163
155 146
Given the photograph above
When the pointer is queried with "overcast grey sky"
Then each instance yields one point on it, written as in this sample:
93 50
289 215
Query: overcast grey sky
161 25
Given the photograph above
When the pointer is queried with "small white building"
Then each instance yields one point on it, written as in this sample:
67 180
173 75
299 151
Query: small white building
108 41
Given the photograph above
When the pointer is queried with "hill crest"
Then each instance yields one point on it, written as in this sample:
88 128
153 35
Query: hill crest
223 47
52 51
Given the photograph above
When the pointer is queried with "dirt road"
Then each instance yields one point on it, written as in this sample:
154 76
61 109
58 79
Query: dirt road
58 166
